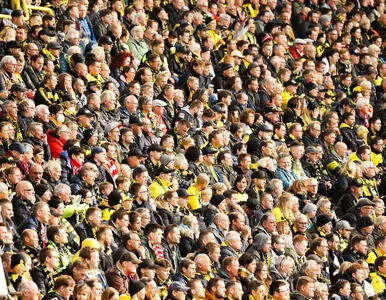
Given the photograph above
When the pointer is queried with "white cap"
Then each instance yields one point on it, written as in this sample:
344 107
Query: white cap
299 41
237 53
159 103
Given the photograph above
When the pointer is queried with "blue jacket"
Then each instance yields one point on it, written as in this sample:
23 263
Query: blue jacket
285 177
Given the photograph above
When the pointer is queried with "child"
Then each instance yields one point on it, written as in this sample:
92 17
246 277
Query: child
82 292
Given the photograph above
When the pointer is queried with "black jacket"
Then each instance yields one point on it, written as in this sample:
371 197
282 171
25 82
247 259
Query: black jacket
346 202
21 209
32 223
84 230
173 254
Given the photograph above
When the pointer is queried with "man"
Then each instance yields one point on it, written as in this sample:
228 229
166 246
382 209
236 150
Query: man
30 245
130 243
350 137
203 268
357 250
279 290
191 113
379 250
350 198
23 201
364 208
215 289
38 222
153 234
45 274
220 226
230 268
46 94
187 271
232 245
170 244
92 258
92 221
378 278
197 290
304 289
57 239
78 270
28 290
122 272
152 162
62 289
102 27
336 159
370 188
194 202
300 225
177 290
357 292
311 136
297 251
207 165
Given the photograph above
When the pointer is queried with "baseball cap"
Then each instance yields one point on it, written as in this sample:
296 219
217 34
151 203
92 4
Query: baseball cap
112 126
84 112
237 53
135 152
16 146
178 286
54 45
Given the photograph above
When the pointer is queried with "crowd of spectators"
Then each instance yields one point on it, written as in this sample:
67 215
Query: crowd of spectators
172 150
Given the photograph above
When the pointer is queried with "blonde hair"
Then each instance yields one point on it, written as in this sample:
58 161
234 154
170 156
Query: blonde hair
283 201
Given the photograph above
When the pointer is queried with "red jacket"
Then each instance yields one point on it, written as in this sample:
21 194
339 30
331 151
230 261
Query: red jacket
55 143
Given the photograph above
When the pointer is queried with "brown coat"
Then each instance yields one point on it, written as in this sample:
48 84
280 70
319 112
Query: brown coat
117 279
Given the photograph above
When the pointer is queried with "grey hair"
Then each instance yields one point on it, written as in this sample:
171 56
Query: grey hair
230 236
367 164
224 17
7 59
51 165
136 29
39 109
71 34
74 49
306 266
25 285
282 260
105 94
3 187
60 189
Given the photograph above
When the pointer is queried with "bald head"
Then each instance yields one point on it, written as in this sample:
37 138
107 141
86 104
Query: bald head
24 188
341 149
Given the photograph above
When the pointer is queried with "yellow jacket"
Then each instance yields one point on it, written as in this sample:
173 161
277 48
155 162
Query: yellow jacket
371 257
194 201
378 282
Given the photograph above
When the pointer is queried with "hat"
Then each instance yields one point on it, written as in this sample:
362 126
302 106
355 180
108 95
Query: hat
40 189
309 41
181 49
316 258
365 202
311 149
225 66
259 174
88 133
131 257
112 126
135 286
208 151
264 128
136 120
105 40
343 224
54 109
155 147
17 259
165 170
146 264
361 129
17 87
165 160
322 220
324 18
346 101
217 109
217 199
7 160
207 124
183 193
90 242
97 150
355 182
17 13
290 82
309 207
355 52
70 98
311 86
135 152
209 20
157 102
84 112
237 53
270 109
260 240
300 41
202 27
247 52
365 222
266 38
114 198
252 203
252 66
177 286
16 146
54 45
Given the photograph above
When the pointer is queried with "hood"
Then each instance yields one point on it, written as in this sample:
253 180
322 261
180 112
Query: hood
185 231
76 179
344 125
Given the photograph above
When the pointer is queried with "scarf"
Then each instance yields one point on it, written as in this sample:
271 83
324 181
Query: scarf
51 276
34 258
75 166
158 251
55 122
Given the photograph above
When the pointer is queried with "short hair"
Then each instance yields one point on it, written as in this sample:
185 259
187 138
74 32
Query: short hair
185 263
64 280
213 282
91 211
274 288
44 253
151 228
303 280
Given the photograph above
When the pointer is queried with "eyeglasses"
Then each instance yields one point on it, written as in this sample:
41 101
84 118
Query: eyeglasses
28 190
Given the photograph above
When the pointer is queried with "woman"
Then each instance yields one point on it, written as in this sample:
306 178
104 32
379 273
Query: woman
262 274
135 221
121 60
145 111
127 76
283 210
167 208
6 35
241 184
269 166
293 112
299 189
341 290
284 171
321 291
96 288
109 294
189 230
38 155
64 86
247 268
234 85
216 205
203 96
212 249
348 171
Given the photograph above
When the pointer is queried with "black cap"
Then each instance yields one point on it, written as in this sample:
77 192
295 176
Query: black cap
208 151
217 199
135 152
225 66
165 170
202 27
346 101
155 147
181 49
311 86
217 109
270 109
264 128
40 189
16 146
130 256
115 198
135 286
84 112
183 193
88 133
105 40
17 87
365 202
13 44
252 203
290 82
17 259
7 160
247 52
355 182
311 149
207 124
54 45
17 13
136 121
322 220
252 66
146 264
355 52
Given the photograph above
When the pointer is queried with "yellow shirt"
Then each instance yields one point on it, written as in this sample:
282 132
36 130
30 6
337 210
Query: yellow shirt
194 202
158 187
377 283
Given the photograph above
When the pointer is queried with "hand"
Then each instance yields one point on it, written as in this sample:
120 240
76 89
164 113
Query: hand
142 252
246 231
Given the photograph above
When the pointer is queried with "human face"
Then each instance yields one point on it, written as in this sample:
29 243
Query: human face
283 293
242 185
53 260
15 177
301 224
97 291
31 292
285 163
190 271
